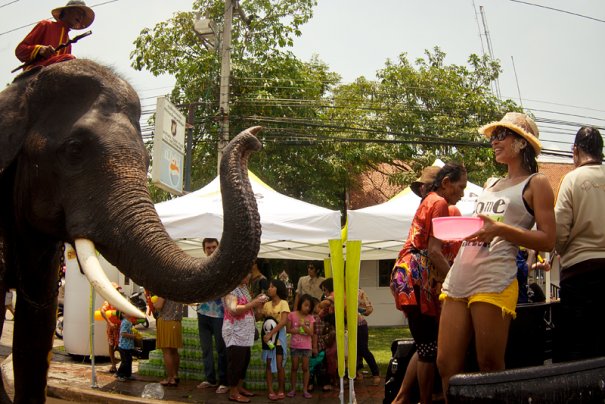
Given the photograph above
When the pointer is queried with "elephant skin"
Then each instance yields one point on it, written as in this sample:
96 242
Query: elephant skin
73 165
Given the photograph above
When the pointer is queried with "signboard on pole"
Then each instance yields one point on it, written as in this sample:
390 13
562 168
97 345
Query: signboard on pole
168 147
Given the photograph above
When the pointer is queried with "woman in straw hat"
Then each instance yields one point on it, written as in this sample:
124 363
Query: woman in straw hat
39 45
480 291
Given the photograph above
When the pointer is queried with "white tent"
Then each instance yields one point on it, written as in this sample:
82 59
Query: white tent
291 229
383 228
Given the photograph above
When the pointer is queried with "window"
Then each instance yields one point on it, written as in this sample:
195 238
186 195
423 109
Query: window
384 272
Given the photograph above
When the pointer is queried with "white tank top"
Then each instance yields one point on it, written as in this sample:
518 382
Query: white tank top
490 267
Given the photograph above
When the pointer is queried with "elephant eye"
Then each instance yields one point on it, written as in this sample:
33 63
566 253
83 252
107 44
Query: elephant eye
72 151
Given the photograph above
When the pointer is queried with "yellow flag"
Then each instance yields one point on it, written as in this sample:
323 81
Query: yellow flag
352 282
339 310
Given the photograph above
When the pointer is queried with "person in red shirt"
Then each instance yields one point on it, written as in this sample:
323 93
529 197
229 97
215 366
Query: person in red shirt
39 46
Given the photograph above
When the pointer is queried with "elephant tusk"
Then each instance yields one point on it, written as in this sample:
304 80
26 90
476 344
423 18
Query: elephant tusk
85 249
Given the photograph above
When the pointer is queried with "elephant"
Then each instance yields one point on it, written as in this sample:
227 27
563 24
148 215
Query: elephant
73 168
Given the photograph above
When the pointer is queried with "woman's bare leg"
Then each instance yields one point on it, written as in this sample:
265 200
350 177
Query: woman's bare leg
455 332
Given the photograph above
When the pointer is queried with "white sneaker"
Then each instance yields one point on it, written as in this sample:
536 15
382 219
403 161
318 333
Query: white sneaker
206 384
222 389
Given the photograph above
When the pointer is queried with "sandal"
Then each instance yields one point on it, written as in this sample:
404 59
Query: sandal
281 395
273 397
246 393
306 394
291 393
165 382
239 399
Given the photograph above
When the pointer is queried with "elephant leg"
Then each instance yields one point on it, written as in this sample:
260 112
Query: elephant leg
35 316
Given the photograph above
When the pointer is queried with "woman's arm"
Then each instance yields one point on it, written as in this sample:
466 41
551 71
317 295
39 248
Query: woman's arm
364 303
437 259
238 309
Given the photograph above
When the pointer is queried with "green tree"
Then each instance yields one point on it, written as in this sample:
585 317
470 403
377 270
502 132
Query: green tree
320 133
414 113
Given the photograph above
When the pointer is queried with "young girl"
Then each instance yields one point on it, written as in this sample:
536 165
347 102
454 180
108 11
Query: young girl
300 325
275 312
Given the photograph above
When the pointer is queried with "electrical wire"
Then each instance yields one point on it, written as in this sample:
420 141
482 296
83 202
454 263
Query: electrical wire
9 3
34 23
557 9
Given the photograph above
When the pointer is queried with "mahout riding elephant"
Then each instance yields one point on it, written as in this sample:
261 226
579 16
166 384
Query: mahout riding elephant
73 168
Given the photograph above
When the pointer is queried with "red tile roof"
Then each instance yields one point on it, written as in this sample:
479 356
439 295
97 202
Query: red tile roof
374 188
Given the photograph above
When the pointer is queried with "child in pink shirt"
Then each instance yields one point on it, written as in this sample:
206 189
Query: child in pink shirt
300 325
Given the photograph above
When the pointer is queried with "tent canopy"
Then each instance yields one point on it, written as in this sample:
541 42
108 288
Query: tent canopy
384 228
291 229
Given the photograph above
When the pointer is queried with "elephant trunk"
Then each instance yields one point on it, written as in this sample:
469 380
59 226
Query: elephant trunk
147 254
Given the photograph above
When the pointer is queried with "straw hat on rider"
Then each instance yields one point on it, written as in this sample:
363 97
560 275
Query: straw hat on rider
519 123
89 15
427 177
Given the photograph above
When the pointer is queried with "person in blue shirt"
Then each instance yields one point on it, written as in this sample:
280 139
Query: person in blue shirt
210 325
126 347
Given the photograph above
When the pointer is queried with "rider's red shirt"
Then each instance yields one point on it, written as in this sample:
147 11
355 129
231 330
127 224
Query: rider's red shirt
45 33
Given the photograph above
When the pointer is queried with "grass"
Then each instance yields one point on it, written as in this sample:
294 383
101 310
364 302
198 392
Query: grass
380 344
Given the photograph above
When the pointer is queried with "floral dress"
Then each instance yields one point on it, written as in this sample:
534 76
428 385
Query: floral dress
413 267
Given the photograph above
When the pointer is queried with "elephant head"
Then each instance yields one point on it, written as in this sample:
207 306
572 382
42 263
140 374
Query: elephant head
73 167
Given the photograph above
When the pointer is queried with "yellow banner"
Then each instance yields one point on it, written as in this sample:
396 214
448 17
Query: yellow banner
339 300
352 282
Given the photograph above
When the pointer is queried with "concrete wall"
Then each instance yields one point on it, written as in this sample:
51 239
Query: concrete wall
385 313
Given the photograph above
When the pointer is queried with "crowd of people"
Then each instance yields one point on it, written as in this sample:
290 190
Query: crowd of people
302 330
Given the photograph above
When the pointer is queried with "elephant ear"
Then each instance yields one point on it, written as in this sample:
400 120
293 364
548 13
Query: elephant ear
13 120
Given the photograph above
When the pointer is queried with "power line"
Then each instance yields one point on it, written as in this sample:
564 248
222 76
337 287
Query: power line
557 9
6 4
34 23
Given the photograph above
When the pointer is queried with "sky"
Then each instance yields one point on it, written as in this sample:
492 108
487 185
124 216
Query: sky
558 56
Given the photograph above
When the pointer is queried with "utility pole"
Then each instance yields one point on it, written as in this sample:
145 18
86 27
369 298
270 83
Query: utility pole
189 146
224 85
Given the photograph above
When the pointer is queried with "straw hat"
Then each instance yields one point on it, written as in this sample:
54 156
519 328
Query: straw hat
89 15
427 177
519 123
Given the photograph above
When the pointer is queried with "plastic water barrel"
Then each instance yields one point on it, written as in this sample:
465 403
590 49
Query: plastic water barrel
77 308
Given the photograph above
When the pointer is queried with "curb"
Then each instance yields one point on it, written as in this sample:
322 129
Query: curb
81 395
73 393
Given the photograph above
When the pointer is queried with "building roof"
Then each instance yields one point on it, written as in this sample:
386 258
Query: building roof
374 187
555 173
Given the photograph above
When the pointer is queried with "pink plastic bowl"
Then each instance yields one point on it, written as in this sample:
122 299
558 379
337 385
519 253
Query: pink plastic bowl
455 227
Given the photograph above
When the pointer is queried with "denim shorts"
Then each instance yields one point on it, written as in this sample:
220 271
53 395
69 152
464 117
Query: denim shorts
300 352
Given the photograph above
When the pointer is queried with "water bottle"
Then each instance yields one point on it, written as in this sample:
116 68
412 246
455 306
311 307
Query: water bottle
394 365
271 345
153 390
